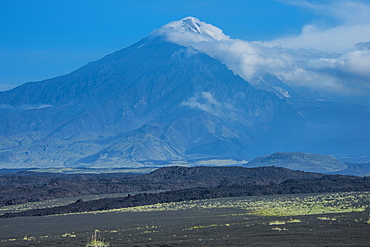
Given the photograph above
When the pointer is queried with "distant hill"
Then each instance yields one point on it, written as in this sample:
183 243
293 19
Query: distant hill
300 161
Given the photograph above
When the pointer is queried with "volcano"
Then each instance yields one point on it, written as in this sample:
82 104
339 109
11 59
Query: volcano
153 103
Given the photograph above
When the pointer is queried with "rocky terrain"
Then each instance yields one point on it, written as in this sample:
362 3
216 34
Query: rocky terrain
324 219
25 187
184 184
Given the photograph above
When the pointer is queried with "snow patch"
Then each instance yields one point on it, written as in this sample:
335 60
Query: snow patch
280 90
193 29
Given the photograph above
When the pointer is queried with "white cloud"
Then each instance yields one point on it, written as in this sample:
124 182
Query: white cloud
206 102
336 39
334 59
357 63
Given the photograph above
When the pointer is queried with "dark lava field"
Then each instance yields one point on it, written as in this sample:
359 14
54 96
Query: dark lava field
181 206
216 222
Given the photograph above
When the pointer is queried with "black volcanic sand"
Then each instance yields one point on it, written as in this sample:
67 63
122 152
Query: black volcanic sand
190 227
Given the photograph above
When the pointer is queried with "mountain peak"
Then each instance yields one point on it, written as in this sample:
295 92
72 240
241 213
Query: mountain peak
189 24
193 25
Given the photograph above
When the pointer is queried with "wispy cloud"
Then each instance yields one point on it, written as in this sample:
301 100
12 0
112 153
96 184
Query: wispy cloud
205 101
224 108
327 58
23 107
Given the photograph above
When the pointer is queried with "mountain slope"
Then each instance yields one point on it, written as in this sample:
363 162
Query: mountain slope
151 101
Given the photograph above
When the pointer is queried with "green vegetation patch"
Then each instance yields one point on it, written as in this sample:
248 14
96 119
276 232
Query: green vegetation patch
285 205
313 204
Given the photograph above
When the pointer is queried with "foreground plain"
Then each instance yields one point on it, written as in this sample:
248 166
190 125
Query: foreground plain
330 219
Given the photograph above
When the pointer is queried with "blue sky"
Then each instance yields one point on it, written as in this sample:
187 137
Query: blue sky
40 39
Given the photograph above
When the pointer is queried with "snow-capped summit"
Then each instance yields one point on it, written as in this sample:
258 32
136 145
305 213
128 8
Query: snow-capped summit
192 25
